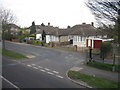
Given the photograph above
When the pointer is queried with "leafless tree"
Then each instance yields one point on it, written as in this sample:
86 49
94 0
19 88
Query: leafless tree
107 10
6 17
104 10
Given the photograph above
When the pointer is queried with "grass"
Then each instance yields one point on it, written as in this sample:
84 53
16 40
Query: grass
104 66
94 81
12 54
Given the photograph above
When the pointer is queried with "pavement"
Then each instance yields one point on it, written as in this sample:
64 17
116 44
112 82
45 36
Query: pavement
95 72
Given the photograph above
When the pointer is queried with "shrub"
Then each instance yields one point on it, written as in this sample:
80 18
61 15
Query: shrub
105 48
35 42
38 42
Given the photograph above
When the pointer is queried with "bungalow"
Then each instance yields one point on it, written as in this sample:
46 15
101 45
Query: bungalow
63 35
13 29
83 34
51 33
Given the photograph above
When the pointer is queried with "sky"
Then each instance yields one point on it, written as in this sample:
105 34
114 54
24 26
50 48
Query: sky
60 13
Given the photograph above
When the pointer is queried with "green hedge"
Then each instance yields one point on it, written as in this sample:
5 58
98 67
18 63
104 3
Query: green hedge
38 42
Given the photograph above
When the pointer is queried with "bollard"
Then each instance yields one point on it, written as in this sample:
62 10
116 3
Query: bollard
90 54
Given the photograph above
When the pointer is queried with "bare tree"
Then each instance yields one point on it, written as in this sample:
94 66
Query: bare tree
104 10
6 17
107 10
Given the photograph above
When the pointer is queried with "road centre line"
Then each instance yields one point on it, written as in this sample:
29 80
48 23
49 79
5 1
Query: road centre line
42 70
50 73
47 69
55 72
40 66
35 67
29 65
9 82
59 76
33 64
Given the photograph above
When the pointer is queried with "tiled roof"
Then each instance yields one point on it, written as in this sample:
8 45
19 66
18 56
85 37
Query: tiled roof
82 29
50 30
63 32
14 26
85 30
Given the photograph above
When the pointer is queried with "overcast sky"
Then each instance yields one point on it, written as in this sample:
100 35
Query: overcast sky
58 12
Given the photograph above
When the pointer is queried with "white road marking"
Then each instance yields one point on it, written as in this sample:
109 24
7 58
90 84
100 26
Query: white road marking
55 72
47 69
29 65
40 66
31 56
9 82
59 76
35 67
42 70
33 64
50 73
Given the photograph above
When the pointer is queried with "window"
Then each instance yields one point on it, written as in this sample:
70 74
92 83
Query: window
81 38
75 38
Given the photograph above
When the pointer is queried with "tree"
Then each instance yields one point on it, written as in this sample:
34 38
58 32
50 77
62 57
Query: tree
33 28
6 17
43 36
107 11
42 24
104 10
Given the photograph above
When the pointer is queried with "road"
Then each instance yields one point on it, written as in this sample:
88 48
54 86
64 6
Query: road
46 67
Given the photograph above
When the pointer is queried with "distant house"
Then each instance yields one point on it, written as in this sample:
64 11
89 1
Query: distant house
51 33
13 29
83 35
63 35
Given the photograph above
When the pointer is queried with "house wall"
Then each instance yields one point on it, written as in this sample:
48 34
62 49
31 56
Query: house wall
47 38
50 38
80 41
39 36
70 37
63 38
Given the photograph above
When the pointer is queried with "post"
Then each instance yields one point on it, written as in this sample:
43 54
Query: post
113 68
75 47
90 54
86 57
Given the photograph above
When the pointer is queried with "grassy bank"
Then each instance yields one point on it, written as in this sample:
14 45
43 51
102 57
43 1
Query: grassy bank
104 66
12 54
94 81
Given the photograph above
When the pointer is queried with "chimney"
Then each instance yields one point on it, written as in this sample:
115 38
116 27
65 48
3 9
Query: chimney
92 23
84 23
48 23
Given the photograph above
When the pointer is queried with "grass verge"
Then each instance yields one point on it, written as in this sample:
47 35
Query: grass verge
104 66
12 54
94 81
